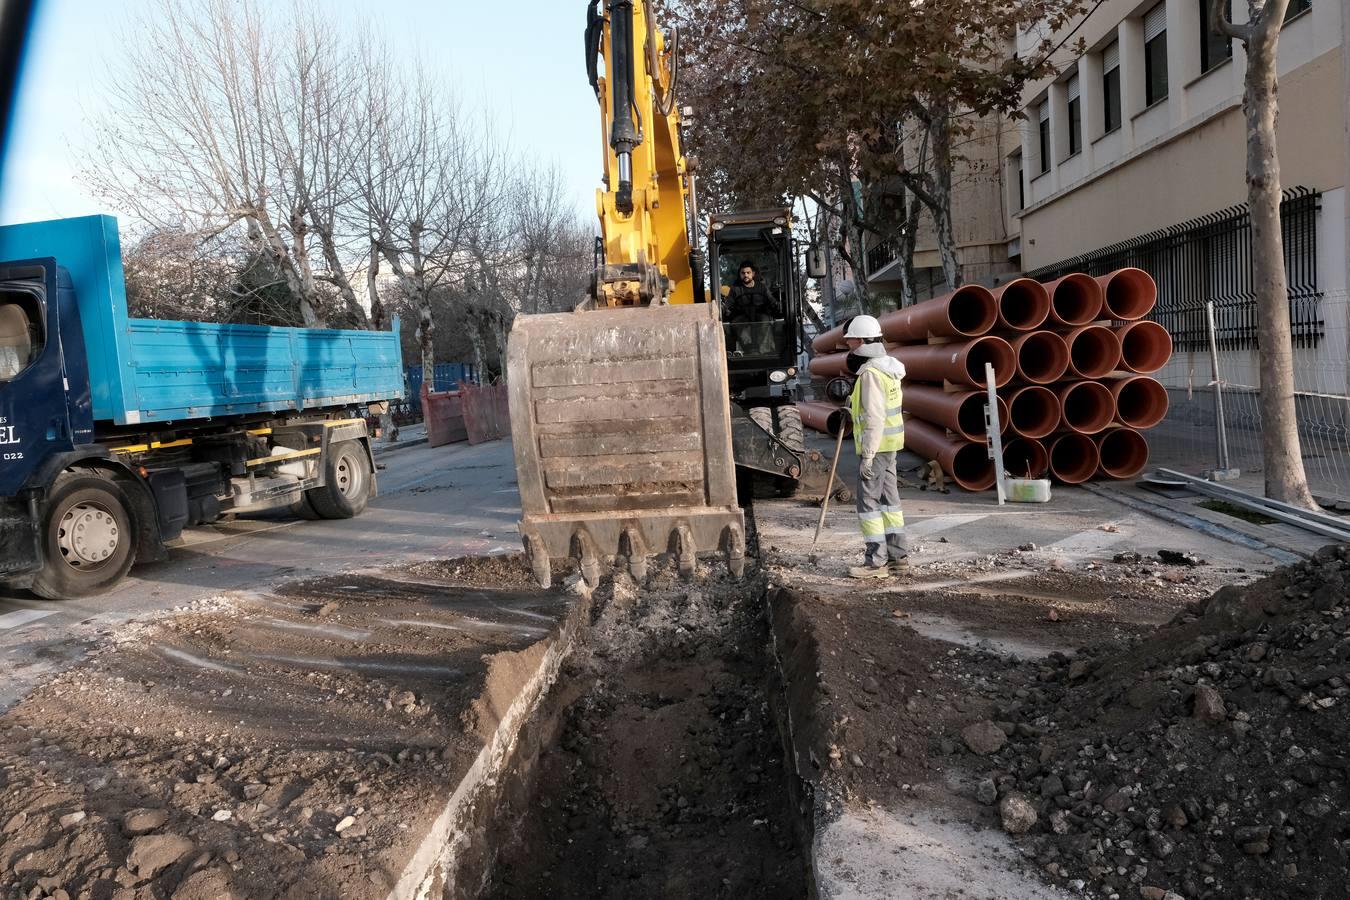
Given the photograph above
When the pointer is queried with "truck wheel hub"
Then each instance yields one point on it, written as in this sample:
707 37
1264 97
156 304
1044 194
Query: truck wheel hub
88 534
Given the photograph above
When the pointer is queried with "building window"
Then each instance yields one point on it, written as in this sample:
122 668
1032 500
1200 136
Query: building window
1295 7
1075 117
1155 54
1043 129
1111 88
1015 174
1214 48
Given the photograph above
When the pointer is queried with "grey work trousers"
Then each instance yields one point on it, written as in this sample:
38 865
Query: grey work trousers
879 514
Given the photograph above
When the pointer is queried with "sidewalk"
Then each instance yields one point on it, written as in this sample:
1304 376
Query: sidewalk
408 436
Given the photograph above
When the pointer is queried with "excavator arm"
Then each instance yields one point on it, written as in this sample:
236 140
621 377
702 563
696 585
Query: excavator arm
646 208
619 410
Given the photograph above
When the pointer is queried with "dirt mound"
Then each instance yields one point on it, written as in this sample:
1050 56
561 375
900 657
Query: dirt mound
1207 759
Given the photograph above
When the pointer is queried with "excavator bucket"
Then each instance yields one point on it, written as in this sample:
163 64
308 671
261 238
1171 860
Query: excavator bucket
623 438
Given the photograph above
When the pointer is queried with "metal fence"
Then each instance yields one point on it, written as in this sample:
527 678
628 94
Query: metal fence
1203 271
448 377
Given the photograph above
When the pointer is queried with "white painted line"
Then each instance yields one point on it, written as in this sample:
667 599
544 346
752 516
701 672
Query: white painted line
941 523
506 491
1093 541
23 617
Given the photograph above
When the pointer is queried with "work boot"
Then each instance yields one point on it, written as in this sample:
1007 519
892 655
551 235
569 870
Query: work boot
898 567
868 571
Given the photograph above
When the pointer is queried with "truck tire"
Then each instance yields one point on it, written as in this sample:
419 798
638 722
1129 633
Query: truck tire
89 538
303 507
346 484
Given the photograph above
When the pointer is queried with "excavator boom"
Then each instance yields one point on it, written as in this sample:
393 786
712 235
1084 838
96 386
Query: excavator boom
619 409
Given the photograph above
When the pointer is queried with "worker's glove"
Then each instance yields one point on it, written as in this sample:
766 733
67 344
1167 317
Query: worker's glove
868 469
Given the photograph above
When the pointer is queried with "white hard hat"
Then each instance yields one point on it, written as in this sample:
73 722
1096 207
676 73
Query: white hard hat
863 327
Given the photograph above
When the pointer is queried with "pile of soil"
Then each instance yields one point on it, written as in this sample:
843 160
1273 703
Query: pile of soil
1207 759
291 744
666 775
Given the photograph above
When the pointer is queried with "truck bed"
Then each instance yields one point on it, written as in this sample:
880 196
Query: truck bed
151 370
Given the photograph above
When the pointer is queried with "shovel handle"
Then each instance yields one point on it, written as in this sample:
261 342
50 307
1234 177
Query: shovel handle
829 488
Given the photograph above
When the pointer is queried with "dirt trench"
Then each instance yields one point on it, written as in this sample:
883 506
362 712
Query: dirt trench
655 768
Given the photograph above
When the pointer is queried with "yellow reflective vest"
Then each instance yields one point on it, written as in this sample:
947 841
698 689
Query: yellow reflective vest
878 426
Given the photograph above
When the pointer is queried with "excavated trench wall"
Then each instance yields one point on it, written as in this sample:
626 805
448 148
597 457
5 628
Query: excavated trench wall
658 762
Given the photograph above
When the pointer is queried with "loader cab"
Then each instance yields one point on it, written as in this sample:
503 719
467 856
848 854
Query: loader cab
761 339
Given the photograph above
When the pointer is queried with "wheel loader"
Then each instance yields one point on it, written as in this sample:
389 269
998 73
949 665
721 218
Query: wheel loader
633 414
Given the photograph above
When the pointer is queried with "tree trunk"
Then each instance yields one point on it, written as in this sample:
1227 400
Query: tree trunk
940 138
379 317
851 247
337 274
285 262
1286 479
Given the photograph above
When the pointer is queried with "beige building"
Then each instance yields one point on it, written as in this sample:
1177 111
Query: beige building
1136 154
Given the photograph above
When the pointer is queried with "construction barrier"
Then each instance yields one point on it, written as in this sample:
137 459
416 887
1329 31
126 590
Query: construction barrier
487 416
444 415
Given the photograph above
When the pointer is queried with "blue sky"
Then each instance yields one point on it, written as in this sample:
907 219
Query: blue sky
522 60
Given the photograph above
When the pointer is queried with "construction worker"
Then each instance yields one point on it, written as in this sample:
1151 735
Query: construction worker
878 432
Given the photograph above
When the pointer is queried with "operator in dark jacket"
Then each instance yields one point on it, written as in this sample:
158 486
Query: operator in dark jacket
748 302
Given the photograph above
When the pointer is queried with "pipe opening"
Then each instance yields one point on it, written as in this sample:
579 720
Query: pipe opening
1124 453
970 416
1042 357
1077 300
1094 351
996 351
1130 294
972 311
1034 412
1073 458
1144 346
1025 458
1024 305
1141 402
1087 407
972 468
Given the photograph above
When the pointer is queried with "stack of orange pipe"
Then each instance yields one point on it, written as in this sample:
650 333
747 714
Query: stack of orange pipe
1071 359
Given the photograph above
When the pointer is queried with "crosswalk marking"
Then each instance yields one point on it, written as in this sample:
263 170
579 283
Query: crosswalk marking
23 617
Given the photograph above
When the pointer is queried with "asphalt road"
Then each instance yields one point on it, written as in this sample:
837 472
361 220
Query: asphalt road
433 503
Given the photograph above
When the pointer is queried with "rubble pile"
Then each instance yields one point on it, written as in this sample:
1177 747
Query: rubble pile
1206 760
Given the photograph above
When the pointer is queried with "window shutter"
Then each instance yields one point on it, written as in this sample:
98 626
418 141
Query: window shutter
1155 21
1111 57
1073 88
1043 111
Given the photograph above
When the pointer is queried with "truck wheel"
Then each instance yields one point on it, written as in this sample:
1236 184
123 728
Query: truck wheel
346 487
303 507
89 542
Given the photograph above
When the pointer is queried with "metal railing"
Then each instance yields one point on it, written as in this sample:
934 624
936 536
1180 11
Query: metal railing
1207 302
1210 259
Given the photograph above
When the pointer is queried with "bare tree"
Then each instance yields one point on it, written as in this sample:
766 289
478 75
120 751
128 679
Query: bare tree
429 181
1286 479
183 143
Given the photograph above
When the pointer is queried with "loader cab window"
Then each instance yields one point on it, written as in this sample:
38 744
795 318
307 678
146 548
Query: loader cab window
753 305
20 333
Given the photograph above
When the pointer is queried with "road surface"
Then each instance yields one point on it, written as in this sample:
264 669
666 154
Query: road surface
434 503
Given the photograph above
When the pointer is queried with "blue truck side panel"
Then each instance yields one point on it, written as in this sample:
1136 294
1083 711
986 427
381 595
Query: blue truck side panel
150 370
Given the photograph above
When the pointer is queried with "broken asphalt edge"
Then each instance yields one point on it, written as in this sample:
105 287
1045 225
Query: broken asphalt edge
448 846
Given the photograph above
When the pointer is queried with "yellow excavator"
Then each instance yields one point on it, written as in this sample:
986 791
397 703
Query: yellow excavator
629 417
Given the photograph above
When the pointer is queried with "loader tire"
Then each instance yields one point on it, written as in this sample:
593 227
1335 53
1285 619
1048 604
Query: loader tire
346 484
789 427
89 538
763 417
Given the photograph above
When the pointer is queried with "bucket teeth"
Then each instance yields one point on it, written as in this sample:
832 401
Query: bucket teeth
537 553
583 548
734 543
634 548
686 553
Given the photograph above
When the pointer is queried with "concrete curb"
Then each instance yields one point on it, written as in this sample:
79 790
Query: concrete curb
381 450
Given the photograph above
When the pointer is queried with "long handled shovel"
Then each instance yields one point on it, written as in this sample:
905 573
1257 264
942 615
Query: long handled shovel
829 489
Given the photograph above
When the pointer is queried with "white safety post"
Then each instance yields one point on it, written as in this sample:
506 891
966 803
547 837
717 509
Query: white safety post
994 428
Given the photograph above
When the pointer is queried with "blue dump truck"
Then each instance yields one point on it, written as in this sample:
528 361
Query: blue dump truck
117 433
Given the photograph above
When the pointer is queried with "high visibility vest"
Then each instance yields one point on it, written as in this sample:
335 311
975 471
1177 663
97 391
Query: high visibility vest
893 429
